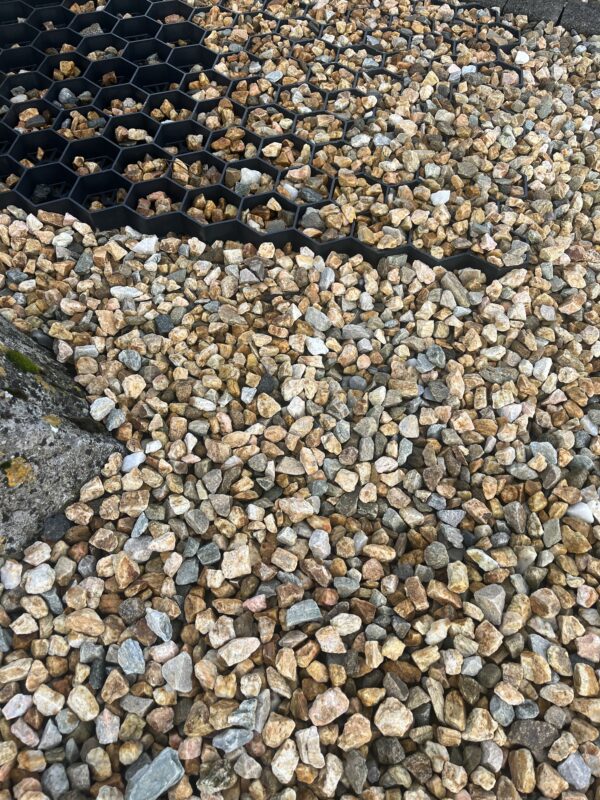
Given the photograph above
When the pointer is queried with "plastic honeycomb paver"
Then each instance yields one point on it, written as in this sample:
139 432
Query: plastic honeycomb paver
144 113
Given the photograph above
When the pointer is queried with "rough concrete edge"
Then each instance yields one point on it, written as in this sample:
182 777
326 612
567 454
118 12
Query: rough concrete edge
573 15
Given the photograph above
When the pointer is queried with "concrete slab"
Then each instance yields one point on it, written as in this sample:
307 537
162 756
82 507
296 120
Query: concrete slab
536 10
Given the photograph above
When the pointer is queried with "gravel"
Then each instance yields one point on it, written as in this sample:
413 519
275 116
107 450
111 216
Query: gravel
340 566
352 545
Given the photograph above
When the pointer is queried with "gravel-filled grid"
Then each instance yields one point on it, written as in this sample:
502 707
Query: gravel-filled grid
438 126
350 346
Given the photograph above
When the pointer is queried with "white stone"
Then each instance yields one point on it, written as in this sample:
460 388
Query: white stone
101 407
39 580
440 198
133 460
146 246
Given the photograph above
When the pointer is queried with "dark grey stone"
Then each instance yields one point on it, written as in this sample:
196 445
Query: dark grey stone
215 776
538 736
79 776
163 324
536 10
355 770
580 17
388 750
197 520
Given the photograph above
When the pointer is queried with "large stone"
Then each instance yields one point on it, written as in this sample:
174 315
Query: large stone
393 718
533 733
156 778
49 444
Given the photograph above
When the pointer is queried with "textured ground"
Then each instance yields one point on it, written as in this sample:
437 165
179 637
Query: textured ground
353 547
446 128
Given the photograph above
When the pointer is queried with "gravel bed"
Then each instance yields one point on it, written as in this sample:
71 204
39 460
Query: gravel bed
352 548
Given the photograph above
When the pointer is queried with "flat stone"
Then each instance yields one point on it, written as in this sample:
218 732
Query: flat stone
156 778
178 672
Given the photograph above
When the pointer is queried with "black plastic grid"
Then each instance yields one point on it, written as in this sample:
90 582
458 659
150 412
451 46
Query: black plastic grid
218 66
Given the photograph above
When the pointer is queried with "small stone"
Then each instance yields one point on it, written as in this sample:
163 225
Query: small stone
131 658
491 600
83 703
160 624
328 706
39 580
301 613
238 650
156 778
393 718
576 772
177 672
101 408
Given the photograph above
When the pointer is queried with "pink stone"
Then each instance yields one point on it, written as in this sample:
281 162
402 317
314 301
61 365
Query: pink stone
588 646
257 603
190 748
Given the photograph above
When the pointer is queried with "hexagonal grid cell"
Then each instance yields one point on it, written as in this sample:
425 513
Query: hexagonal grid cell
245 120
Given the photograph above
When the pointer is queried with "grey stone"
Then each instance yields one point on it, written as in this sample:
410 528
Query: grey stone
131 658
355 770
576 772
188 572
500 374
131 358
356 332
178 672
244 715
55 781
136 705
451 516
451 282
527 710
516 516
491 600
47 426
304 611
492 756
159 623
317 319
319 544
545 449
501 711
209 554
79 776
232 739
156 778
436 555
51 737
197 520
163 324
